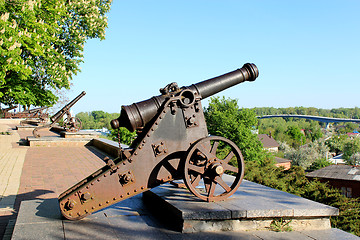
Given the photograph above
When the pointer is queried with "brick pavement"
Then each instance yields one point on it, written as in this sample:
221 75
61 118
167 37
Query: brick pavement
46 172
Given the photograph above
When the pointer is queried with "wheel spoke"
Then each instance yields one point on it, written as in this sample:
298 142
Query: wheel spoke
228 157
205 151
214 148
207 183
196 181
197 169
223 184
211 190
230 168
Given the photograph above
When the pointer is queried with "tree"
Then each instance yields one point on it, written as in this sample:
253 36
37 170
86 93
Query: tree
126 137
336 143
305 156
351 147
295 133
320 163
354 159
41 45
224 118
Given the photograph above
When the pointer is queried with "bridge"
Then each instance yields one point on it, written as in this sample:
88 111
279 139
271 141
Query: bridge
326 120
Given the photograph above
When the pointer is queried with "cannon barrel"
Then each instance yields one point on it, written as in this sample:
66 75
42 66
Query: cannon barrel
63 110
136 115
8 108
36 109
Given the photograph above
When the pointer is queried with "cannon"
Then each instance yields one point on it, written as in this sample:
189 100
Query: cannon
5 111
35 116
172 143
71 124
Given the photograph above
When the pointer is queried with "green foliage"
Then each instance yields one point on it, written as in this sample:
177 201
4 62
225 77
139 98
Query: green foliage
351 147
126 137
101 119
305 156
336 113
289 130
224 118
41 45
281 225
336 143
354 159
319 163
296 135
96 119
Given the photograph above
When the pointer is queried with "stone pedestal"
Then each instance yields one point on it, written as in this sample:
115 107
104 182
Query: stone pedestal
76 139
53 141
252 207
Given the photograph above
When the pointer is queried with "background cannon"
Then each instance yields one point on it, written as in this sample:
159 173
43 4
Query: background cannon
4 113
35 116
71 124
172 144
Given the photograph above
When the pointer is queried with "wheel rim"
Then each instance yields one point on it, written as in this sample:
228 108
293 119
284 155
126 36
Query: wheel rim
207 164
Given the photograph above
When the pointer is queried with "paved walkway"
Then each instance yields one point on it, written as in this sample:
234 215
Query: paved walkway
11 161
37 172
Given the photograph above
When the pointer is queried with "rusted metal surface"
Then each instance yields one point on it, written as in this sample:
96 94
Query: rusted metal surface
35 113
71 124
4 113
172 144
36 116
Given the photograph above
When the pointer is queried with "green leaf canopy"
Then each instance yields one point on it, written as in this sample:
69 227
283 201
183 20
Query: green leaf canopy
41 46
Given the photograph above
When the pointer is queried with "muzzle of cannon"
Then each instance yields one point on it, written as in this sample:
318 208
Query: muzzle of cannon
172 144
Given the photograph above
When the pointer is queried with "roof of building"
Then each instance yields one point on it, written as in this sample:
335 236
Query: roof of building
344 172
267 141
282 160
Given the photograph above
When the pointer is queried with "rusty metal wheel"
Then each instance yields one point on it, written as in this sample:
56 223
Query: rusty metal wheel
72 125
207 167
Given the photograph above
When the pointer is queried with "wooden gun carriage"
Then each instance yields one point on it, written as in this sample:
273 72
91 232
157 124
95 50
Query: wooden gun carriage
172 144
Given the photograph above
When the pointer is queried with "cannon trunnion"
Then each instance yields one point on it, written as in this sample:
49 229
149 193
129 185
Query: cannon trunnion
172 144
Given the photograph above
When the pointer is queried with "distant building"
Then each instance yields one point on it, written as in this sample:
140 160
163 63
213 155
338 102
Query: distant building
269 142
353 134
286 163
344 177
337 159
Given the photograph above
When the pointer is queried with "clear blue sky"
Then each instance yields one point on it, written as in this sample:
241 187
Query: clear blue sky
307 52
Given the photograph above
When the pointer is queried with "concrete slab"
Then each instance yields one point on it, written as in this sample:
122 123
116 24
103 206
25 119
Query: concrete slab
130 219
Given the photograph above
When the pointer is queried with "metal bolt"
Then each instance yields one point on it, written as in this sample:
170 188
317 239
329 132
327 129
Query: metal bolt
70 204
191 121
86 196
